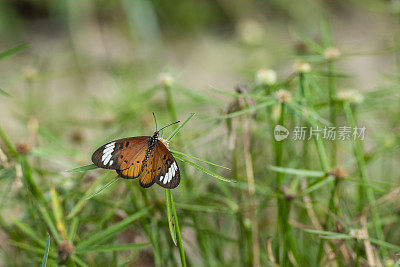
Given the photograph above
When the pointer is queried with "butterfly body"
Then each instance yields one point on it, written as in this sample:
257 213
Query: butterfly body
146 157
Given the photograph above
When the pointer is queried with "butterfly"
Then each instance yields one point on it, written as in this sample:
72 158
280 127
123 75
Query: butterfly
146 157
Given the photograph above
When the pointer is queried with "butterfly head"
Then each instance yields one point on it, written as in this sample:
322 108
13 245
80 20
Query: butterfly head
156 133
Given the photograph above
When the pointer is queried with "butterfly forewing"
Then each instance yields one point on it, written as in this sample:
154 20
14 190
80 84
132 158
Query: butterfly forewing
123 154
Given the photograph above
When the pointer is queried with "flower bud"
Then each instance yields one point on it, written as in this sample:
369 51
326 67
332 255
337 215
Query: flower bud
266 77
303 67
283 96
165 79
331 53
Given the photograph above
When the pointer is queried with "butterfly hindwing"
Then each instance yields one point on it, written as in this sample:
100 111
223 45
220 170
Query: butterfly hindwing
124 155
166 172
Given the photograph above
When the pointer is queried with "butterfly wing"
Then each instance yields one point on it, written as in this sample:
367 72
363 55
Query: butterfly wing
166 171
124 155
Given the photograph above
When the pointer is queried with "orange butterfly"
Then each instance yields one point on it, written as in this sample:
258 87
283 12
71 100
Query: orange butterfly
144 156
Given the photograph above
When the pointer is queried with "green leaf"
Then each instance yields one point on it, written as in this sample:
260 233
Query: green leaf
170 215
46 251
193 157
211 173
102 236
180 127
300 172
108 248
103 187
84 168
13 50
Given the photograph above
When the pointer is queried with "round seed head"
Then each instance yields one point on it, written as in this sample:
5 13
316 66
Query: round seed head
30 73
338 172
64 249
283 96
266 77
331 53
250 31
23 148
165 79
302 67
351 96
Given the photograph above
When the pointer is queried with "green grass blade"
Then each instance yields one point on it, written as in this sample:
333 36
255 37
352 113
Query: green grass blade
178 231
300 172
2 92
84 168
13 50
170 215
46 251
78 261
29 232
72 229
180 127
316 186
245 110
111 231
103 187
201 160
200 168
109 248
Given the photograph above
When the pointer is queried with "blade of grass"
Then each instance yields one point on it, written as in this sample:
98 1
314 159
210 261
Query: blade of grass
103 187
2 92
8 144
108 248
200 168
316 186
201 160
300 172
46 251
177 230
180 127
84 168
57 211
72 229
13 50
29 232
111 231
170 215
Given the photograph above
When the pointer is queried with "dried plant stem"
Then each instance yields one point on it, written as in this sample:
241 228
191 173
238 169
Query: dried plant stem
251 188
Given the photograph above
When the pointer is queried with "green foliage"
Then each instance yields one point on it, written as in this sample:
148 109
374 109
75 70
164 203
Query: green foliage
315 202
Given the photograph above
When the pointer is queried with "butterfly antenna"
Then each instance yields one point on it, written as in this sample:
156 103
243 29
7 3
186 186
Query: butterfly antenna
155 120
170 125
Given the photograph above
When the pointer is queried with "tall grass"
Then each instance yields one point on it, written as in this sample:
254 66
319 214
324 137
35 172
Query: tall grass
245 199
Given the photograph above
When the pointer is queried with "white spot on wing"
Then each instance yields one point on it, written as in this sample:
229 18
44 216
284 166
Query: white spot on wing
161 178
173 172
111 162
106 150
105 156
110 144
107 160
166 178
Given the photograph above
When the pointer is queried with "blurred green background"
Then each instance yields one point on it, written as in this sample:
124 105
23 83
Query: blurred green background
91 74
